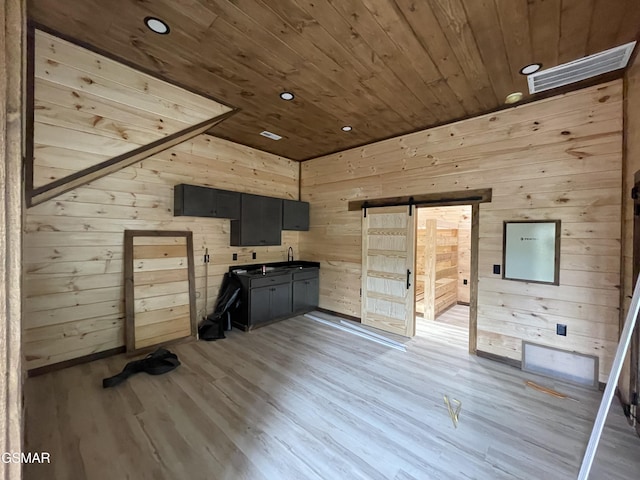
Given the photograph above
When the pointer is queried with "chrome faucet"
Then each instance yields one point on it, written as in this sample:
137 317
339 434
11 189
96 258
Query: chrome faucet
290 254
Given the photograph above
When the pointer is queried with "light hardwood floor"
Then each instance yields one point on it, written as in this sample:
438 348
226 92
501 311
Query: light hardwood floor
301 400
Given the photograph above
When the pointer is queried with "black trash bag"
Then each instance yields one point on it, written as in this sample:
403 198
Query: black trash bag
156 363
214 326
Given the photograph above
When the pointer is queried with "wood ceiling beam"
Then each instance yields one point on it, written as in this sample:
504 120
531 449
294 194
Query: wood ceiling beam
78 179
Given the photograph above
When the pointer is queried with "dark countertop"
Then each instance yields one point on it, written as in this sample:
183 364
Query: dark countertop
273 267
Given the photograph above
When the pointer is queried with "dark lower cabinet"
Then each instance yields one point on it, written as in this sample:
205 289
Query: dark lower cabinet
269 303
305 291
275 296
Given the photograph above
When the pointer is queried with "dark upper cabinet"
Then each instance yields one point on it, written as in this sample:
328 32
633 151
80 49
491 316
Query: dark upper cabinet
260 221
196 201
295 215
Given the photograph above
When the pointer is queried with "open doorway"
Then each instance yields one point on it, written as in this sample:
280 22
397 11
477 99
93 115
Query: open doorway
443 271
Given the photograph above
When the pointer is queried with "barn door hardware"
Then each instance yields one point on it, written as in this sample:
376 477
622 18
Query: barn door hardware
365 205
410 206
408 278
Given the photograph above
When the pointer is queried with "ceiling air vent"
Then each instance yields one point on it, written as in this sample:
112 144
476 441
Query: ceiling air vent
270 135
581 69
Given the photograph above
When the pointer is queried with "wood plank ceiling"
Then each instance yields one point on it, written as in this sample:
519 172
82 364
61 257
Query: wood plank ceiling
385 67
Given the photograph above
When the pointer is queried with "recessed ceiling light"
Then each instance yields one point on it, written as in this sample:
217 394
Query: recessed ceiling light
513 97
529 69
156 25
286 96
347 128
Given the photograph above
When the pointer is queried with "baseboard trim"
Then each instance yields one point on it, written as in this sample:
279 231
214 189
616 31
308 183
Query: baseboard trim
34 372
466 304
499 358
341 315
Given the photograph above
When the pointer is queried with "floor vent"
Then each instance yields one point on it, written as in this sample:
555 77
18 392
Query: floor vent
587 67
571 367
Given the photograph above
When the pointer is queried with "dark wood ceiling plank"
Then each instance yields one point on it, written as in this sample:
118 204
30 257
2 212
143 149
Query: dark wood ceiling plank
345 94
312 32
514 22
376 76
600 39
483 19
395 25
409 84
289 147
544 23
428 31
574 29
452 18
629 29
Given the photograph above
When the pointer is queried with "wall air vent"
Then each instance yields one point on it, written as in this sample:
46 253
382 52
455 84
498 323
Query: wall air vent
270 135
581 69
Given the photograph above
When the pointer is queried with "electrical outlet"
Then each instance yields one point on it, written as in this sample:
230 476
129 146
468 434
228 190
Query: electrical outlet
235 256
465 281
561 329
496 269
254 255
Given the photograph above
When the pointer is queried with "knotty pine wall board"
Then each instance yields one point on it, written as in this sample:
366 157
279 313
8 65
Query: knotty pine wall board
560 158
88 108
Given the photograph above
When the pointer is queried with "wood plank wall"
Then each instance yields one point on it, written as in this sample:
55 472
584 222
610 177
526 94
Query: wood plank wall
560 158
88 108
12 21
458 217
73 263
631 166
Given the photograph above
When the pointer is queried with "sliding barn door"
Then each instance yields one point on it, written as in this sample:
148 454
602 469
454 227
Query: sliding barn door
388 258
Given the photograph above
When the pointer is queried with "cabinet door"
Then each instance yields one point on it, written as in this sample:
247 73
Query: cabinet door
271 221
259 305
227 204
305 295
280 300
295 215
313 292
194 201
260 221
299 293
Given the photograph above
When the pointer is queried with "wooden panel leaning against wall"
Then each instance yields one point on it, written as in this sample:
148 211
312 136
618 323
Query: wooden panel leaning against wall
88 108
73 267
560 158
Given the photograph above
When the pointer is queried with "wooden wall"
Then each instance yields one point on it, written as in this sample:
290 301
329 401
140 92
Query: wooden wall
560 158
73 265
12 20
458 217
631 166
89 108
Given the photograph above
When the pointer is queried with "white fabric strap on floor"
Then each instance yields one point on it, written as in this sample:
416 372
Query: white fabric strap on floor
364 334
368 332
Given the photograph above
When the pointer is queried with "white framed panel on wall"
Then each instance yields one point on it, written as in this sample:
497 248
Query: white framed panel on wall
531 251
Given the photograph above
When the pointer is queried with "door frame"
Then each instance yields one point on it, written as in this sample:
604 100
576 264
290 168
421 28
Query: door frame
446 199
473 271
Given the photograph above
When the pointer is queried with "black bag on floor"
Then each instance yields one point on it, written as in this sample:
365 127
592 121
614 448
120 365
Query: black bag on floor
156 363
214 326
